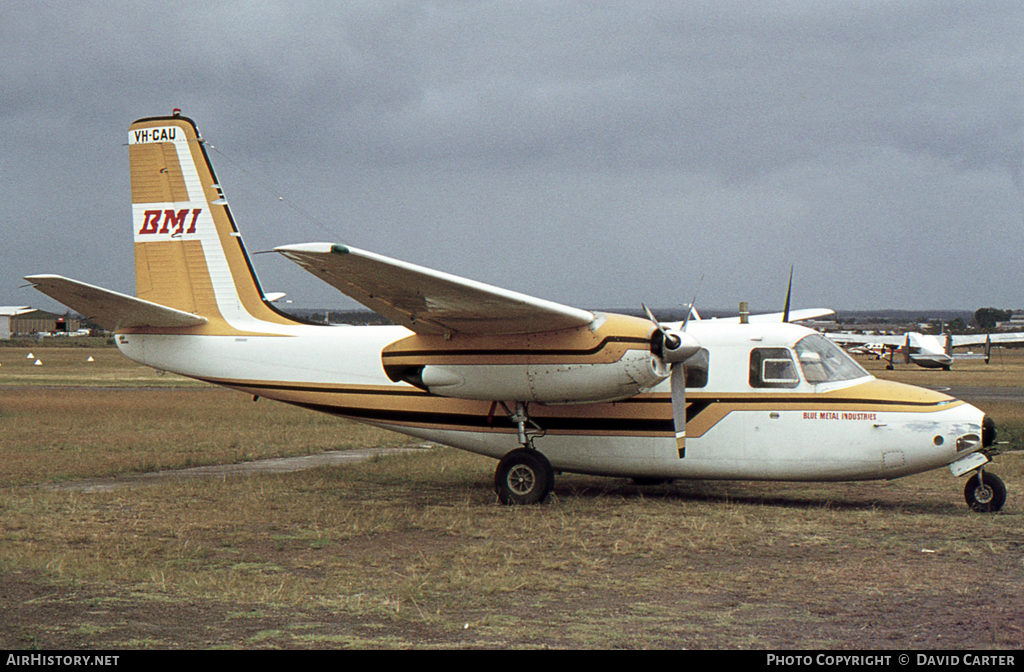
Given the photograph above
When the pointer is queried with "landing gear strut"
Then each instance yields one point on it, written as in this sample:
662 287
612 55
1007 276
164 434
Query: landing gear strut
523 476
521 418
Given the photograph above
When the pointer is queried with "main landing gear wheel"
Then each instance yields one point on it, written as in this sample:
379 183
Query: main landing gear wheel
524 476
985 492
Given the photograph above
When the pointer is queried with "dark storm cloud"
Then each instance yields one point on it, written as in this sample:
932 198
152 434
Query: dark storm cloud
592 153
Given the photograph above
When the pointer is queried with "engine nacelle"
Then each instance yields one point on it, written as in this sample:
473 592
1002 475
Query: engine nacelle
608 360
545 383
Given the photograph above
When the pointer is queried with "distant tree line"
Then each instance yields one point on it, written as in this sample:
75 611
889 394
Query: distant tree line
986 318
957 326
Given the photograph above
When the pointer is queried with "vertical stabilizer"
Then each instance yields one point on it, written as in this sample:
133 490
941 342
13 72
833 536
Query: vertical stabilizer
188 254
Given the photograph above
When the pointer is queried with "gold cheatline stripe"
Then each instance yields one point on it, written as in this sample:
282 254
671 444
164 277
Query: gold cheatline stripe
643 415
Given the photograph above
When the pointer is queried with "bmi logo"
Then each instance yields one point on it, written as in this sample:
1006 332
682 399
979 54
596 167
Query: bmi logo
169 221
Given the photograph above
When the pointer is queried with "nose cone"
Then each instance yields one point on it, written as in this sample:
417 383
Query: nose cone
958 432
920 429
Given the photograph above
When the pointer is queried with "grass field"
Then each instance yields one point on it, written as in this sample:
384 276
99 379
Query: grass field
412 551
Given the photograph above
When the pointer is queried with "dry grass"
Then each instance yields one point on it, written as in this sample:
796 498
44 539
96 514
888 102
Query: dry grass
71 419
417 547
69 366
413 551
56 434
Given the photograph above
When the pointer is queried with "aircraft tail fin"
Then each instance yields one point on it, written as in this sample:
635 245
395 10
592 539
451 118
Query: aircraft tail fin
189 255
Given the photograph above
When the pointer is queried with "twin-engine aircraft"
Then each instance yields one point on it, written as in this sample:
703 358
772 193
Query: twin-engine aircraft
926 350
539 386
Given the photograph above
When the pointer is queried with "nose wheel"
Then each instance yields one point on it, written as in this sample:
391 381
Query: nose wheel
985 492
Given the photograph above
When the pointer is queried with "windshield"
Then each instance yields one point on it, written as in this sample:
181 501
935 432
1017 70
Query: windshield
825 362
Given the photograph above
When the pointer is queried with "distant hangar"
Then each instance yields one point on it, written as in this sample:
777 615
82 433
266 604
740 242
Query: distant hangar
25 321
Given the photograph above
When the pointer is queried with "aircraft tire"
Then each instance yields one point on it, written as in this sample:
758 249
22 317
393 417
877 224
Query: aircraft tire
523 476
986 494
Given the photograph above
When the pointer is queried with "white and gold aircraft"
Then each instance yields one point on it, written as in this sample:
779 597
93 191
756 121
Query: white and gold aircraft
540 386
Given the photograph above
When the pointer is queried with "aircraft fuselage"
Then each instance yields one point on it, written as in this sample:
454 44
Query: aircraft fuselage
857 429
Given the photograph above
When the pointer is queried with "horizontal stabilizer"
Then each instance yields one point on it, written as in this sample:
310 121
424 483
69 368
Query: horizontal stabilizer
109 309
429 301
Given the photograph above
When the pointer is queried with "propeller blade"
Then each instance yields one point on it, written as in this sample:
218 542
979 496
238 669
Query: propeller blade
679 407
690 312
668 340
650 315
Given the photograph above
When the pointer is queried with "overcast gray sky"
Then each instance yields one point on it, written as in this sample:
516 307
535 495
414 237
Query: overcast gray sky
599 154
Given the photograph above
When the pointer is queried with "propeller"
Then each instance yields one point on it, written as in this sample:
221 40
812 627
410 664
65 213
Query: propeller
671 345
674 347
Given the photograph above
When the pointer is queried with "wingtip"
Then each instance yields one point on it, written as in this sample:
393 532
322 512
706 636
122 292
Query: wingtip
308 248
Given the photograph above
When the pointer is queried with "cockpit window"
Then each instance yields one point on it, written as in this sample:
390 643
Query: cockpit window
772 367
823 361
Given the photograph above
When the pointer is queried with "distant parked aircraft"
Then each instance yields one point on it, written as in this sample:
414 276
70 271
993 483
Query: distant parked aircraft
925 350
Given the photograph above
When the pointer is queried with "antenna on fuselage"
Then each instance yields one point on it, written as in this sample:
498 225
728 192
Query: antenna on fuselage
789 293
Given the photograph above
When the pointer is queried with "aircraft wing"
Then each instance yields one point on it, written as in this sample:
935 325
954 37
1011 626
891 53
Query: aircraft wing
109 309
981 339
794 316
429 301
865 339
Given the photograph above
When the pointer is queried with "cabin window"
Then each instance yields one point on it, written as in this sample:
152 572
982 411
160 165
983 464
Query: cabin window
823 361
773 367
697 369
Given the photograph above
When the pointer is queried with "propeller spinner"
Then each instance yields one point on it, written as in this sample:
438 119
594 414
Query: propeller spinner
671 345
